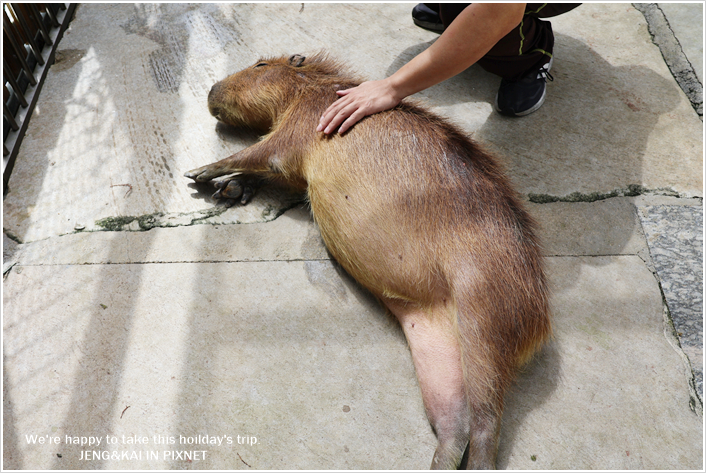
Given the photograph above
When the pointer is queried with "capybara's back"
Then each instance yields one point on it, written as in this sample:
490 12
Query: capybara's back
421 216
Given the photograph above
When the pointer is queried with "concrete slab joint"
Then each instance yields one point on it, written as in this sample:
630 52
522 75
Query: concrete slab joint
675 240
680 66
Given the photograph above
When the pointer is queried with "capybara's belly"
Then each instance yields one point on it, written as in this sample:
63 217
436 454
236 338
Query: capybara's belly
386 224
373 243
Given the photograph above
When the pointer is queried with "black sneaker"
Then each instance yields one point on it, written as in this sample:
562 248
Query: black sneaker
426 18
524 96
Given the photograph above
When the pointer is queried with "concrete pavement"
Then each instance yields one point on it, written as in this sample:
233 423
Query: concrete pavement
190 336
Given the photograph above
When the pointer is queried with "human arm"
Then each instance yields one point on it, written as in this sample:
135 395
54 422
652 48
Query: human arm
467 39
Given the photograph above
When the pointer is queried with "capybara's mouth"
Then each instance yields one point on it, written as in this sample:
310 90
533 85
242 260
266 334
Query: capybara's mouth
216 112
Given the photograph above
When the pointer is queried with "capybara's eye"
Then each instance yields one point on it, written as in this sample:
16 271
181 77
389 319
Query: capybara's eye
260 64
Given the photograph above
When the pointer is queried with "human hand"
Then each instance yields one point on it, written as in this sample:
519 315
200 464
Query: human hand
356 103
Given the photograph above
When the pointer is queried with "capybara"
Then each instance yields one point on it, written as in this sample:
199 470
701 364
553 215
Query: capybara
421 216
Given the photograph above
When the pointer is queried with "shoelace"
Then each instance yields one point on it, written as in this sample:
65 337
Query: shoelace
544 74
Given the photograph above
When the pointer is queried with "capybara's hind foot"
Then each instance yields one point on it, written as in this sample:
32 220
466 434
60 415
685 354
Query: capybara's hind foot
240 187
231 188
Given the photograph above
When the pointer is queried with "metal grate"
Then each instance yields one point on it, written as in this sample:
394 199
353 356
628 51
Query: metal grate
31 32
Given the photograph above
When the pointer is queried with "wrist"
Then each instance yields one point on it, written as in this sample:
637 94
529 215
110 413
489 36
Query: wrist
397 88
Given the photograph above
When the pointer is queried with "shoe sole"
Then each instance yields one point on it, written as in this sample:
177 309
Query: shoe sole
534 108
427 25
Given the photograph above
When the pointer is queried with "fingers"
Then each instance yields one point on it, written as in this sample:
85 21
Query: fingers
336 114
358 102
354 118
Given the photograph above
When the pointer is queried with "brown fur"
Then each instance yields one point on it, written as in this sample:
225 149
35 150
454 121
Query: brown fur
416 212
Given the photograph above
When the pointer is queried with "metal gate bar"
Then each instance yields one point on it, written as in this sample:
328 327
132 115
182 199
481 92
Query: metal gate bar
31 33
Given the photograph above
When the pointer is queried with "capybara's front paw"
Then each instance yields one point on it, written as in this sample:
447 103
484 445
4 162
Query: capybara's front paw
241 187
204 173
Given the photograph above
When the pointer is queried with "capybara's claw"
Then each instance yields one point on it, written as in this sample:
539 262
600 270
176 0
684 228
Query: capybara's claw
203 174
193 174
248 192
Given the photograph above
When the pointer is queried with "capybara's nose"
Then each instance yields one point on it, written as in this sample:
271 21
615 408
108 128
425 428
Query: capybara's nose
214 99
214 94
214 90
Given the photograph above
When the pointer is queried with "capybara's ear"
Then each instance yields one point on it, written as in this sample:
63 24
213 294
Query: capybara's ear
296 60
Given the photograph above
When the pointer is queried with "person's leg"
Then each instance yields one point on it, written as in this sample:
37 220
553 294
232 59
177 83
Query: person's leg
522 58
506 58
526 47
529 46
449 11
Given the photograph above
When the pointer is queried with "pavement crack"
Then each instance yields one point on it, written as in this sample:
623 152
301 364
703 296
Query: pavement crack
606 255
672 336
632 190
147 222
164 262
12 236
157 219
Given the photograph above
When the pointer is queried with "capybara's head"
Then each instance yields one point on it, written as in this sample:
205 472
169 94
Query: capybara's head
255 96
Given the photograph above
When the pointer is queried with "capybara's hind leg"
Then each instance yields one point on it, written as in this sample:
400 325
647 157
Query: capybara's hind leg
437 361
483 439
464 418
